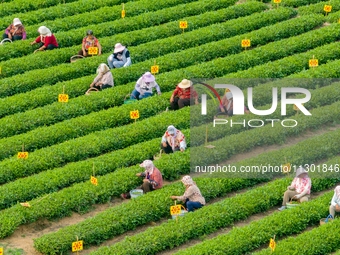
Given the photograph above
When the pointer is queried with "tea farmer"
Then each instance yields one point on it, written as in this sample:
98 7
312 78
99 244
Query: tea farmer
183 95
46 40
120 57
144 87
227 105
103 80
15 31
173 140
192 196
335 202
152 178
299 189
89 41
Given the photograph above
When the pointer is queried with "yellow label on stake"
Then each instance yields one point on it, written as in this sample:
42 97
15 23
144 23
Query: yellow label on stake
154 69
93 50
63 98
183 24
286 168
245 43
77 246
134 114
94 180
25 204
277 1
123 14
0 73
175 209
272 244
327 8
1 250
313 63
23 154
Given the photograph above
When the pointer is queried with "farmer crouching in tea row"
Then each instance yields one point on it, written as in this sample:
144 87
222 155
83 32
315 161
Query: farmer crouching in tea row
152 179
299 189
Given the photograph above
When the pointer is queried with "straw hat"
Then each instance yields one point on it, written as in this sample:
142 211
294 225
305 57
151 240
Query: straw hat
185 84
148 77
16 21
118 48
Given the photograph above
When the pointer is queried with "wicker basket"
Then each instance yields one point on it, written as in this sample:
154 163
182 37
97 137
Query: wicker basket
5 40
75 58
325 220
290 204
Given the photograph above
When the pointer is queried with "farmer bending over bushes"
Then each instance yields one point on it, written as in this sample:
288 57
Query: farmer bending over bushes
120 57
192 197
299 189
183 95
103 80
173 140
335 202
15 31
144 87
152 179
46 40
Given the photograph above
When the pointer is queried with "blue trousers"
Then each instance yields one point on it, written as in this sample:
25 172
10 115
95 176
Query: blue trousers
191 205
136 95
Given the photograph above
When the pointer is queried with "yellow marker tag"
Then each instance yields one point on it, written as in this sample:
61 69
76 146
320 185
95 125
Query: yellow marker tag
183 24
0 73
327 8
154 69
94 180
63 98
272 244
277 1
93 50
227 90
286 168
313 63
245 43
123 14
134 114
175 209
23 154
1 250
25 205
77 246
295 108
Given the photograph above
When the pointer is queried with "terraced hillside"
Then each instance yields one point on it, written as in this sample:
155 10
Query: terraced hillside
69 142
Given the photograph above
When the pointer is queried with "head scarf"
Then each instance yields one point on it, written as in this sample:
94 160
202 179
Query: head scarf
148 165
300 171
187 180
102 68
172 130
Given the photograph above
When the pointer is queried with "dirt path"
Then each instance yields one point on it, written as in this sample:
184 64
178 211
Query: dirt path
23 237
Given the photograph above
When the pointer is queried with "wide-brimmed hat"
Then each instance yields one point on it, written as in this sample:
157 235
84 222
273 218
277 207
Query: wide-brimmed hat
300 171
148 77
44 30
16 21
118 48
187 180
147 164
185 84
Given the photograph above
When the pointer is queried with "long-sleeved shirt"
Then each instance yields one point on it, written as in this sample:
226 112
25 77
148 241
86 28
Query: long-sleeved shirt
178 140
16 30
185 93
193 194
302 185
106 78
335 200
155 178
47 40
143 88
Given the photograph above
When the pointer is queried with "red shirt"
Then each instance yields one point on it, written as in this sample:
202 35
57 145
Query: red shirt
185 93
47 40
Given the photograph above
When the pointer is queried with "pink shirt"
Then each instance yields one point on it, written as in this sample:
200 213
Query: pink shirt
301 184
